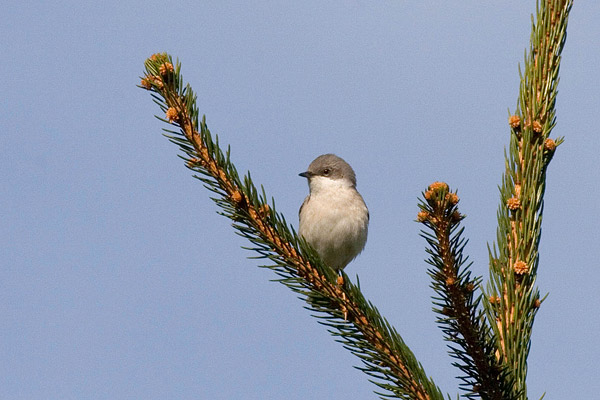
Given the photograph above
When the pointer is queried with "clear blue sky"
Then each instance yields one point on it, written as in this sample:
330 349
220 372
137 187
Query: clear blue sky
118 280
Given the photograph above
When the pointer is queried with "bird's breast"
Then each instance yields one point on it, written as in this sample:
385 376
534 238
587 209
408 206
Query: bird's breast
335 224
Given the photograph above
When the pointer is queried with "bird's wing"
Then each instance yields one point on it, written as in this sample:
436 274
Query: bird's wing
303 203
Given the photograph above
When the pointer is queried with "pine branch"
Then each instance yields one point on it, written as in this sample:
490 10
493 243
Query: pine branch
462 322
339 305
512 299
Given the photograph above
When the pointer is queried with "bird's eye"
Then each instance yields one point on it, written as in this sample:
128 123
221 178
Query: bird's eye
326 171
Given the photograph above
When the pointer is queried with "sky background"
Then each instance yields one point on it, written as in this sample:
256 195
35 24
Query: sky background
119 280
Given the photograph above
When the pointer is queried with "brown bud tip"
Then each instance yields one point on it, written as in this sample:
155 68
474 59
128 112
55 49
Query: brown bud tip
191 163
452 198
236 197
429 195
450 281
513 203
470 286
157 81
422 216
549 144
514 121
438 185
521 267
494 299
264 210
172 114
537 126
457 216
166 68
146 83
340 280
537 303
156 56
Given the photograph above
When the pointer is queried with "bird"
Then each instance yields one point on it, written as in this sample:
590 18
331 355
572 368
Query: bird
334 218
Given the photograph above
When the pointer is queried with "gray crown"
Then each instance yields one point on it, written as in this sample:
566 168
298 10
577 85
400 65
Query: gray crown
331 166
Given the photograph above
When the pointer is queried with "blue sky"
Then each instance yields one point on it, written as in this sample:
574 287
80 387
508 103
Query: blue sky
120 281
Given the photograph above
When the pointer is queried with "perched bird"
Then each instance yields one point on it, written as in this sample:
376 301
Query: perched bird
334 218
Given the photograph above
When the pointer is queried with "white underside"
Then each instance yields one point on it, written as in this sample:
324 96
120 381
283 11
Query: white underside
334 220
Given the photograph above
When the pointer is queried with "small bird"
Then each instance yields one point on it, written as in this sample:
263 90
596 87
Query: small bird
334 218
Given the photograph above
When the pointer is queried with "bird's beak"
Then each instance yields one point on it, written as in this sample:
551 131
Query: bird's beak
306 174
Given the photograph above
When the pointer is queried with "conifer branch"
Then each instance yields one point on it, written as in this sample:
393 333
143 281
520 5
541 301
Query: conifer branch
462 322
512 299
340 305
